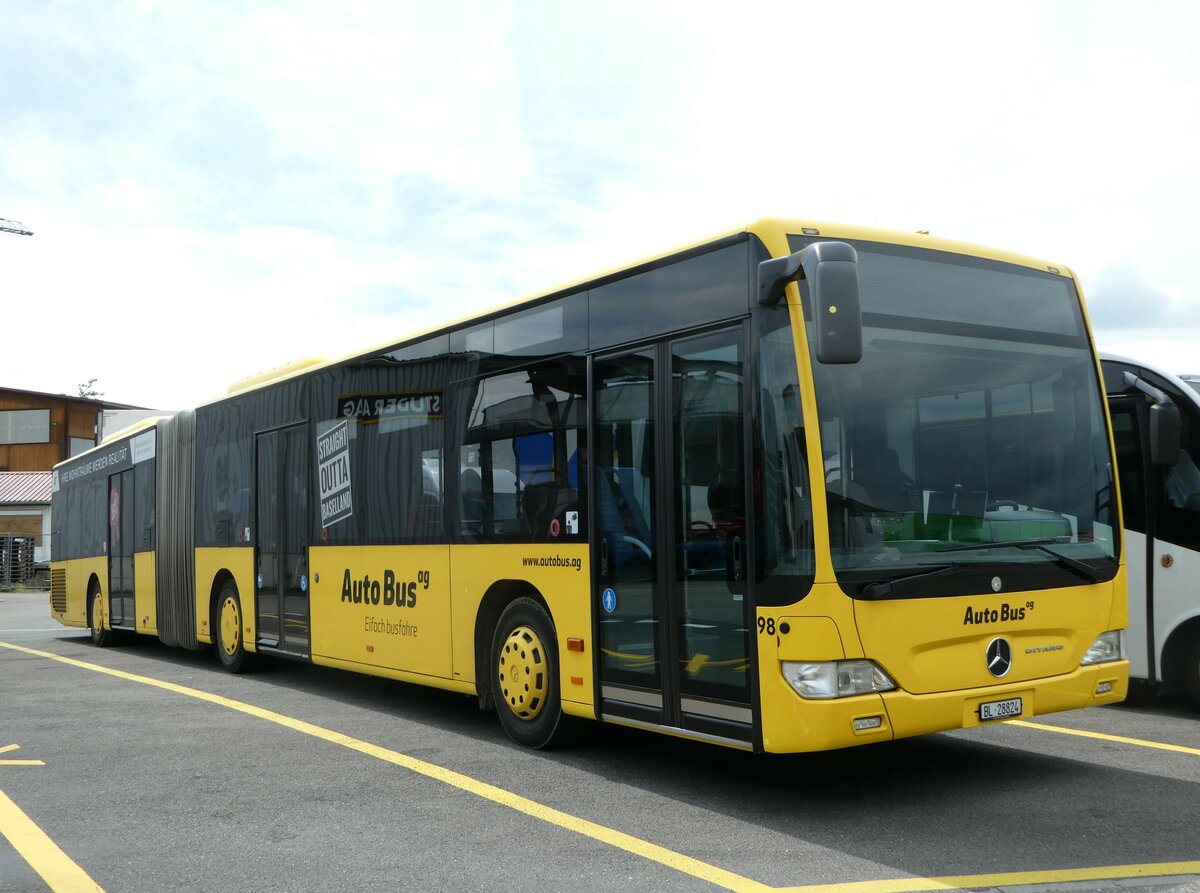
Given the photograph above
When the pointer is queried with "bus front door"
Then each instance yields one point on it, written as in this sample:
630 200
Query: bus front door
281 537
1134 472
670 486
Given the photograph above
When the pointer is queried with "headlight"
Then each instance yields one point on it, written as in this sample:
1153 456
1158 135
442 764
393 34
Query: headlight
835 678
1108 647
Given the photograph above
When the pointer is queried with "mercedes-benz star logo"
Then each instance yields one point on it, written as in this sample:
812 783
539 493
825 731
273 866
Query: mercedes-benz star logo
999 657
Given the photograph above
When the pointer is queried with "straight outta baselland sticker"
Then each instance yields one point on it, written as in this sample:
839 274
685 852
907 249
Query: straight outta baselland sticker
333 474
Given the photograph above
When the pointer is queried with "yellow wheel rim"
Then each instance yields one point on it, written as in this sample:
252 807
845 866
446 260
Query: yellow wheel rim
231 626
523 676
98 613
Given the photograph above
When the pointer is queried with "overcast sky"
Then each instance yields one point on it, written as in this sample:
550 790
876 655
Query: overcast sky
216 189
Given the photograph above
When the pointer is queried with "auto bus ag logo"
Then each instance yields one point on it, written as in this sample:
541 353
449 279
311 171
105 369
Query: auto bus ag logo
393 591
1002 614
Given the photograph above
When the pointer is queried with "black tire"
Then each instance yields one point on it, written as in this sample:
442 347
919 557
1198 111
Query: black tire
524 675
228 623
1191 671
96 611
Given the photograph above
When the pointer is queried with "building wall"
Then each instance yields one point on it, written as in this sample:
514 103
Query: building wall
32 522
21 525
68 418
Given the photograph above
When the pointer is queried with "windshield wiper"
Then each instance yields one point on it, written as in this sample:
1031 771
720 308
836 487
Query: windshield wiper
1086 571
888 588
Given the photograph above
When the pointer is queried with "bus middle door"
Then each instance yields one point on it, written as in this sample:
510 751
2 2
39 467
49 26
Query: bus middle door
281 538
120 549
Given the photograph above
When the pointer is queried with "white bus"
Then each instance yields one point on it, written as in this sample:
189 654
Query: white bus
1156 431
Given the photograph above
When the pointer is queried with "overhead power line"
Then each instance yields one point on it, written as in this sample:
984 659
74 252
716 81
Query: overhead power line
12 226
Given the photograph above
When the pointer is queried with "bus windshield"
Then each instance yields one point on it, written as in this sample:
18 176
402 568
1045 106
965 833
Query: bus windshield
967 449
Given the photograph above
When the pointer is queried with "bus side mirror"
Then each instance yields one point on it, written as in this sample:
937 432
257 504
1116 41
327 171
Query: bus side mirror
1165 434
831 269
1166 428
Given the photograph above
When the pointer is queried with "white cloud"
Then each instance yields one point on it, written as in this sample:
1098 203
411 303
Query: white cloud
219 190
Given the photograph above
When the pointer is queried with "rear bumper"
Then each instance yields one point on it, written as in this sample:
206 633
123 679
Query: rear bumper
792 724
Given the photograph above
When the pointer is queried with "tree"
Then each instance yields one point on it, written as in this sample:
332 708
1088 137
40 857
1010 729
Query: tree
88 389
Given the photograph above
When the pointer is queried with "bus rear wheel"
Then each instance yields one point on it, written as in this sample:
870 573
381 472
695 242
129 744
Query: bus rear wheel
100 635
524 671
230 643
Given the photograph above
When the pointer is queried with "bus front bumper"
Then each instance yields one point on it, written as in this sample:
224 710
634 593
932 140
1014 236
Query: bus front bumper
792 724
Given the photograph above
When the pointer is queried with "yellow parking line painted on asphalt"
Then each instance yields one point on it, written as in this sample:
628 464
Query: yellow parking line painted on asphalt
650 851
56 868
671 859
1005 879
9 748
1136 742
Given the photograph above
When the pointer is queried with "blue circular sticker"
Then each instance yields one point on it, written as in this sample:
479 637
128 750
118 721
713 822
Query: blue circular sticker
608 598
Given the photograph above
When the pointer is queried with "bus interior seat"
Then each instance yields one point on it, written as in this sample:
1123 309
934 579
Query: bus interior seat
852 523
628 479
425 517
619 514
541 503
727 501
888 487
470 494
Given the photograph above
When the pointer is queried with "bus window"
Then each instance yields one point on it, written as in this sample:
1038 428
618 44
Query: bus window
519 455
393 407
1179 519
1130 464
143 506
965 430
786 560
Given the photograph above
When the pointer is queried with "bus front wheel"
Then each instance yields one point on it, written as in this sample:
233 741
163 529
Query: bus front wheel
100 635
231 644
1191 671
525 675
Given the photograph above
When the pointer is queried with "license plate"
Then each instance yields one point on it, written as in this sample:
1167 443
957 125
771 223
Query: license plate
1000 709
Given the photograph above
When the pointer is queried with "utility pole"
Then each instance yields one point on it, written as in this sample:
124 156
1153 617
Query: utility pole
12 226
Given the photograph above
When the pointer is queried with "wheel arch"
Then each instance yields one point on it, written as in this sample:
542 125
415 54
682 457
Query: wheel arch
1175 651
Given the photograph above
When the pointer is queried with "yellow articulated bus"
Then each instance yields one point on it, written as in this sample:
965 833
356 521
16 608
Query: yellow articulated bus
802 486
